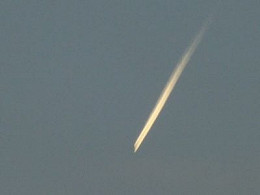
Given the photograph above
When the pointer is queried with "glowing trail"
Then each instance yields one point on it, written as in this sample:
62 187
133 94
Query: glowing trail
169 86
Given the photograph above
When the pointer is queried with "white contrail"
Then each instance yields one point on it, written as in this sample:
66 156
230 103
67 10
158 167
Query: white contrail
169 86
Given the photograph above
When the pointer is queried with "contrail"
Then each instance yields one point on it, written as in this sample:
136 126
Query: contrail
170 85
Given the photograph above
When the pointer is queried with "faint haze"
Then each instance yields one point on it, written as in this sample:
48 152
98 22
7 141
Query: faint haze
78 80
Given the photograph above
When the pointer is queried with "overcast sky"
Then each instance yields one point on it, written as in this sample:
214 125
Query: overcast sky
78 80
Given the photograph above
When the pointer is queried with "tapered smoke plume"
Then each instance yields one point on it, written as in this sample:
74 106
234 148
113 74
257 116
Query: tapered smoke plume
170 86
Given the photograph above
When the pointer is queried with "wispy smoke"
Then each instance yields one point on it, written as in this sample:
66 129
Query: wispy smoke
170 85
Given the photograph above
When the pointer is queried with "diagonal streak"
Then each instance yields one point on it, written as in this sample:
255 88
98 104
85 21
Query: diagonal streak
169 86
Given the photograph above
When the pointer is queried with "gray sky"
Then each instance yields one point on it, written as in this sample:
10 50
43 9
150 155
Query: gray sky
78 80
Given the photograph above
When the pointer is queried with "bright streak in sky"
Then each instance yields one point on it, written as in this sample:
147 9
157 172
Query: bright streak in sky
169 86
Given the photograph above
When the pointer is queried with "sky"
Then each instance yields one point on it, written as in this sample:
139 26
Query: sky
78 80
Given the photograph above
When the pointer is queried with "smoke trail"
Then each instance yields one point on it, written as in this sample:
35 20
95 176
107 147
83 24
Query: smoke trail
170 85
